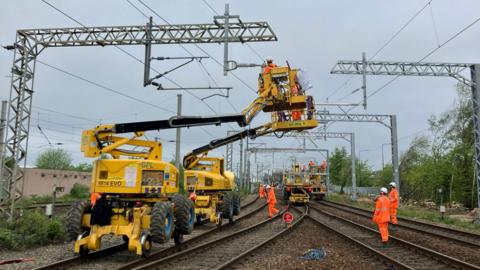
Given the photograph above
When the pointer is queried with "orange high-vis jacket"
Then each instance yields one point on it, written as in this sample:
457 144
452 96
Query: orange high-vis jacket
261 191
271 197
382 210
393 197
268 67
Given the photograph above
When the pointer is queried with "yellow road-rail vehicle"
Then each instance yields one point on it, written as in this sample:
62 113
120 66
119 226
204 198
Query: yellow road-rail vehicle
317 176
297 186
211 187
135 191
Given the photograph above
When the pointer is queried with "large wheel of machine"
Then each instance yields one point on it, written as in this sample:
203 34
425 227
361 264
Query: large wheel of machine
74 219
236 203
227 206
184 217
161 222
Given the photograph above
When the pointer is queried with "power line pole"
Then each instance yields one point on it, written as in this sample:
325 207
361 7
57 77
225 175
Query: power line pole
178 135
240 171
3 124
475 76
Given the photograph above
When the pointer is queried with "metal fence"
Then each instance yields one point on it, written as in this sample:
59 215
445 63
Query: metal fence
360 190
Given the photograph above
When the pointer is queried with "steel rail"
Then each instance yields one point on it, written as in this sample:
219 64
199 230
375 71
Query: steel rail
256 247
205 246
383 257
64 264
430 253
172 249
468 238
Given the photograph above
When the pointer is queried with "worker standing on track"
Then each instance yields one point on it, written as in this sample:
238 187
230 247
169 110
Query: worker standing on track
271 200
261 191
269 65
393 197
381 216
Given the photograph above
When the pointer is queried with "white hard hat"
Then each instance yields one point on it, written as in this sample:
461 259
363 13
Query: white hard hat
269 58
267 187
384 190
393 184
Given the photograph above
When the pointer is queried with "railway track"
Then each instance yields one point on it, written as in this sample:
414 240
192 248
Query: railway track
165 250
432 239
222 252
457 235
400 253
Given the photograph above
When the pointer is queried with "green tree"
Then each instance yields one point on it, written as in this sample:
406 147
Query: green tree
340 168
57 159
445 162
82 167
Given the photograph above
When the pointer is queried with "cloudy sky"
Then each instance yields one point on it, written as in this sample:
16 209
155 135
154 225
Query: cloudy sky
312 35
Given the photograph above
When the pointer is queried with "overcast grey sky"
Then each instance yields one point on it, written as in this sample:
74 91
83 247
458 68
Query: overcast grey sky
312 35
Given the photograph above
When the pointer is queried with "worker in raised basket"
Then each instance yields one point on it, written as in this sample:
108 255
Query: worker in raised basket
271 200
269 65
381 216
261 191
393 197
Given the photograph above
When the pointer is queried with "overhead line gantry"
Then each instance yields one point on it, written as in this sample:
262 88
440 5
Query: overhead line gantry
30 43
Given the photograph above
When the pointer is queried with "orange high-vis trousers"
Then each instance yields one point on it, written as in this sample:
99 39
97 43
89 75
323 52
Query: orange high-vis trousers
393 215
272 210
383 228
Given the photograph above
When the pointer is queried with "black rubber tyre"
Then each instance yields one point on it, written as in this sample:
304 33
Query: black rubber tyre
236 203
227 206
177 238
161 222
184 214
84 251
74 219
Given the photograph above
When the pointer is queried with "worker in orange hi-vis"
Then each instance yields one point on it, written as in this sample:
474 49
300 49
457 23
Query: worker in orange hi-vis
261 191
271 200
94 197
393 197
269 65
381 216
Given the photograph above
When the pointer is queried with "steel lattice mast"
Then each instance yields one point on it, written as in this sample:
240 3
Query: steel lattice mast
31 42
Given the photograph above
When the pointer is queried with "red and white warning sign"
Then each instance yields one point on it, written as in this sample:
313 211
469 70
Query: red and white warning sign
287 217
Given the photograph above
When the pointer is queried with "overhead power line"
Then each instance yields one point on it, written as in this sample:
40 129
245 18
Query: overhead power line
65 114
140 61
382 47
181 45
200 48
124 51
429 53
248 45
106 88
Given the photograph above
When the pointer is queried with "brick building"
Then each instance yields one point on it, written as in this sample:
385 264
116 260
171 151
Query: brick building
42 181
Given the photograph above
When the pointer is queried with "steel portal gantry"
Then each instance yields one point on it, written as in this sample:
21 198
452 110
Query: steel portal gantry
389 121
453 70
30 43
